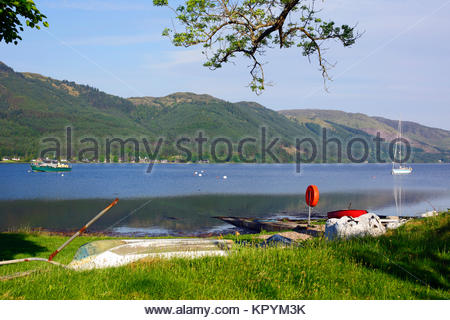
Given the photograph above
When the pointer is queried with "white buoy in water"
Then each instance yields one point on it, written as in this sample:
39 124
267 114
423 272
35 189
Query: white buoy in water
195 172
62 174
225 177
199 174
202 171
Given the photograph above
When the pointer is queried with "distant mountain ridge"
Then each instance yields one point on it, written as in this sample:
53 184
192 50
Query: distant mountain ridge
33 106
429 139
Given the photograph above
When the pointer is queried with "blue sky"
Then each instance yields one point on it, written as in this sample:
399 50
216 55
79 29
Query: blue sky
400 68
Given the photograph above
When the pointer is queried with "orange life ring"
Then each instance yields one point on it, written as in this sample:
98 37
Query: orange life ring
312 196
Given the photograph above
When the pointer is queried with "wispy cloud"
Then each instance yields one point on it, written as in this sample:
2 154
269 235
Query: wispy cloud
117 40
176 58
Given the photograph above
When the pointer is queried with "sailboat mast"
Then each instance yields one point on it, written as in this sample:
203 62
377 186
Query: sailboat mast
400 139
398 152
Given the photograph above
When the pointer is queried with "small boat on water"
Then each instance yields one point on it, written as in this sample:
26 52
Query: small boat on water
346 213
400 168
50 166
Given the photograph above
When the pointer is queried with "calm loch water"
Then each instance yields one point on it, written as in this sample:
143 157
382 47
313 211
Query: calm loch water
176 200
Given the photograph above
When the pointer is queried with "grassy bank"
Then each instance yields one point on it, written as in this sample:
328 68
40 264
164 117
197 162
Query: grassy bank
409 263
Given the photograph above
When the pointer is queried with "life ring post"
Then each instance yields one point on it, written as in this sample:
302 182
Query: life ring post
312 199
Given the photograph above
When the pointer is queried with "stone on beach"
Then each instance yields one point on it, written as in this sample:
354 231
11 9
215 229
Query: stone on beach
291 235
346 227
393 222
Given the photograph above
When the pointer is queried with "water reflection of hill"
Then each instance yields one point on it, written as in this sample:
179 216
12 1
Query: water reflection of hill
188 214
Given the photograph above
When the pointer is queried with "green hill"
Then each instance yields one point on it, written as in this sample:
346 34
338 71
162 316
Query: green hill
33 107
185 113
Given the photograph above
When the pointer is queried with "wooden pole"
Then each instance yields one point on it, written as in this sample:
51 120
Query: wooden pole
29 259
49 260
309 216
82 229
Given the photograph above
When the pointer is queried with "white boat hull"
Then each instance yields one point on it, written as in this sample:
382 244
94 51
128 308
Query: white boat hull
400 171
115 253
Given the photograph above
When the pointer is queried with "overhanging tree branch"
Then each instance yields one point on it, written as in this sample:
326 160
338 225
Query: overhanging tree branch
10 24
248 27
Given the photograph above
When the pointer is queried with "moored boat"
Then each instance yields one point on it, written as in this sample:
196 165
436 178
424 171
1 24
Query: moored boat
402 170
50 166
346 213
399 168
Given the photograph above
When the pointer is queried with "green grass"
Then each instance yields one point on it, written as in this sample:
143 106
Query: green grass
409 263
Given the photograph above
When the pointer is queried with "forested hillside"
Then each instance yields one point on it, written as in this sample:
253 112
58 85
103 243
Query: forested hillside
34 107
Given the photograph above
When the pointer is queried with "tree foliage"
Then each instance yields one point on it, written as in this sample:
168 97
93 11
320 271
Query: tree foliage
10 13
227 28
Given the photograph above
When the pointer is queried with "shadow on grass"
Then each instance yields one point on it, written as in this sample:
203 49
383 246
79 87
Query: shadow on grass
12 244
417 252
156 289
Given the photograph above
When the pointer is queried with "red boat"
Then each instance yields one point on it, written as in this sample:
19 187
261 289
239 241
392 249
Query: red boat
346 213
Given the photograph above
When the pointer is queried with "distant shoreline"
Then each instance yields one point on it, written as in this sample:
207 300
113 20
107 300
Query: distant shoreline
215 163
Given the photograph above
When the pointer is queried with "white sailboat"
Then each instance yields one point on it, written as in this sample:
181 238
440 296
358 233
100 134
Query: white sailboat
399 168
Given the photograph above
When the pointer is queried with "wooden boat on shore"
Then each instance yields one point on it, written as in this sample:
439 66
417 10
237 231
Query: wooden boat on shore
300 225
346 213
260 224
114 253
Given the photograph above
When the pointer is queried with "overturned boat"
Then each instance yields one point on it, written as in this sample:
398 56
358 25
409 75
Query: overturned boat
115 253
119 252
346 213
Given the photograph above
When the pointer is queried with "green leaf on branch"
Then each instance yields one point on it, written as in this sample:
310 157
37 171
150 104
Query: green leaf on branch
10 14
227 29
